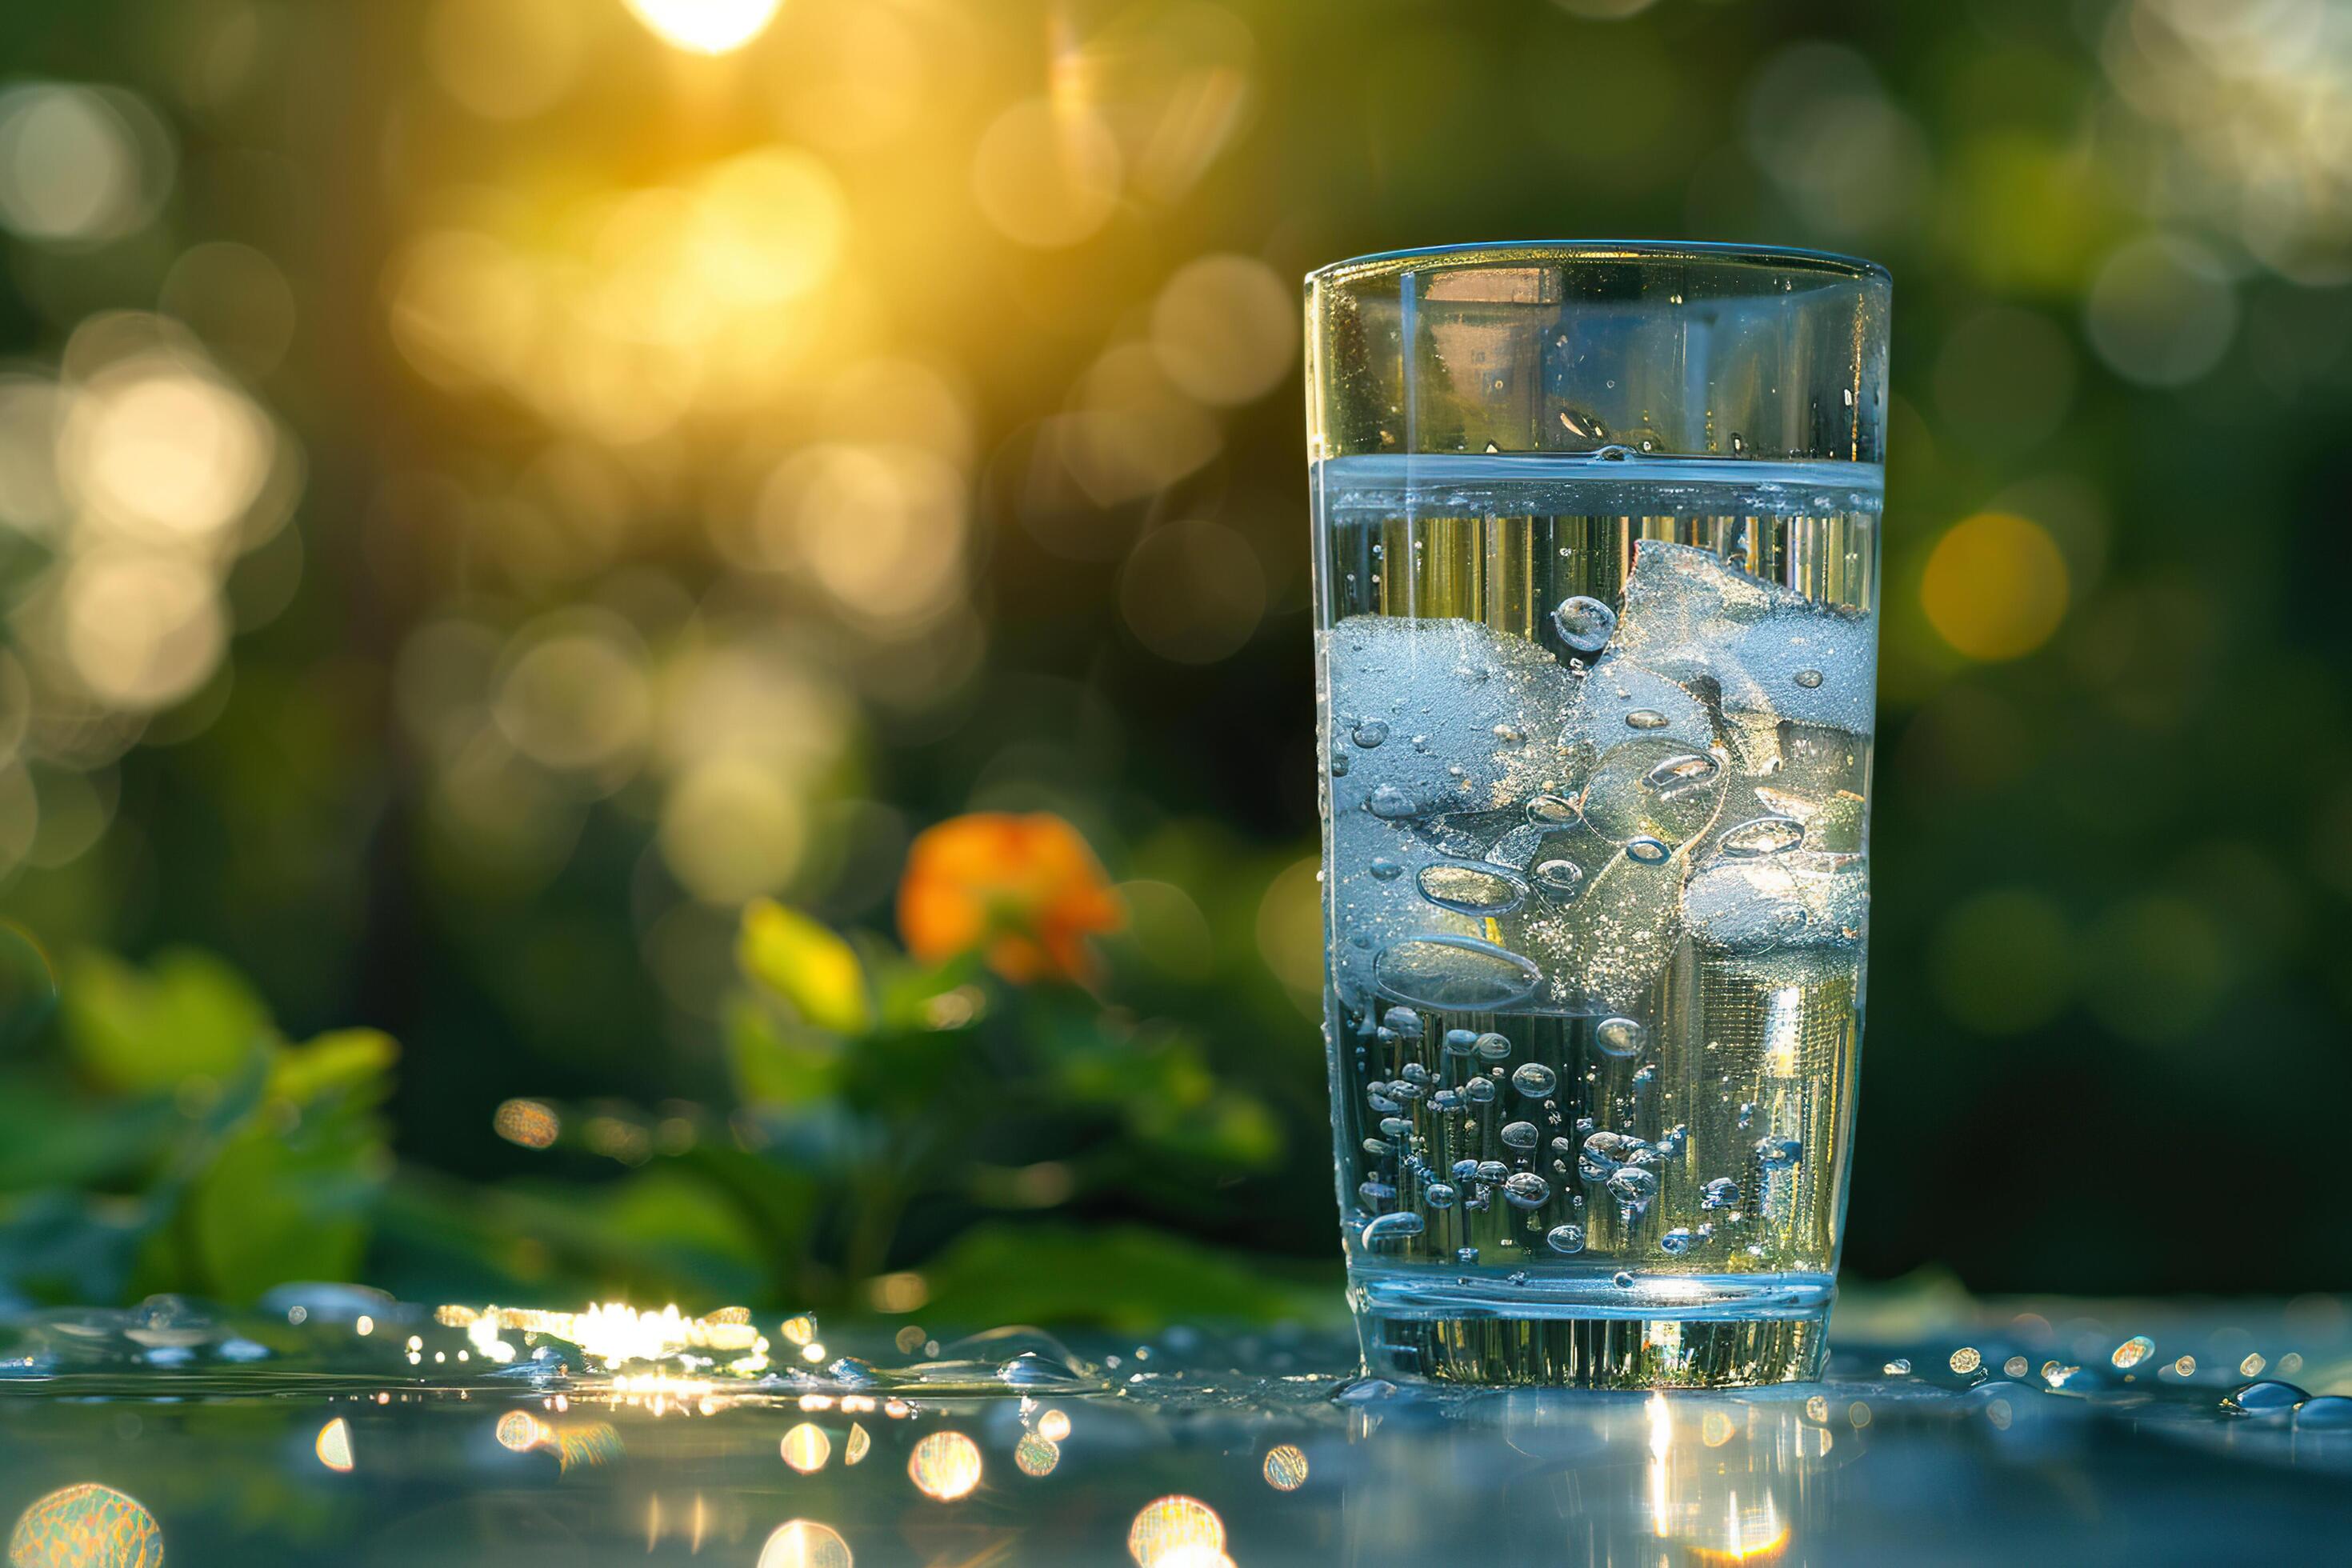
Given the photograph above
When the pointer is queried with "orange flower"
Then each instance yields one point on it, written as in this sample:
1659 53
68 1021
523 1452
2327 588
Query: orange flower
1022 892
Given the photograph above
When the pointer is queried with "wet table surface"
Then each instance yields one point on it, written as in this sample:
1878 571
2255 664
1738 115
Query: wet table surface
334 1427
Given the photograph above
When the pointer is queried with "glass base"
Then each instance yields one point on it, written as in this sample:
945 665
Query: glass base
1587 1331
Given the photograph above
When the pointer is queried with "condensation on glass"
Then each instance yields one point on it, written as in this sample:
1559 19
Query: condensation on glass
1596 571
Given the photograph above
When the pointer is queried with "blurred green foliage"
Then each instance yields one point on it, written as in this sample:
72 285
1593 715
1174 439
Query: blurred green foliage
164 1135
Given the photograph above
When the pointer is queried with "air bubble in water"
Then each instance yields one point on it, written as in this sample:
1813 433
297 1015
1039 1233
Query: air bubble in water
1560 879
2133 1351
1438 1194
1406 1022
1550 810
1385 870
1534 1079
1492 1171
1370 733
1645 718
1392 1229
1494 1048
1388 803
1520 1135
1483 890
1808 678
1622 1279
1719 1194
1454 973
1764 835
1620 1036
1526 1190
1611 454
1460 1042
1565 1238
1777 1152
1478 1090
1685 772
1340 765
1632 1184
1646 850
1677 1240
1584 624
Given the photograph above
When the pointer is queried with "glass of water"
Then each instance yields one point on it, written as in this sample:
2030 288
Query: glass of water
1596 574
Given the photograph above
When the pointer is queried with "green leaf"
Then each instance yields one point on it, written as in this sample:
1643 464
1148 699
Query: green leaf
1126 1279
807 965
346 1060
188 1017
268 1209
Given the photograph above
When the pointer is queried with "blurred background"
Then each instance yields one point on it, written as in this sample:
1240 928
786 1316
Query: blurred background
491 490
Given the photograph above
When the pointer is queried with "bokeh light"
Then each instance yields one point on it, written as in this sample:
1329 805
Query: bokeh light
141 631
78 164
505 59
527 1122
1223 328
1818 123
334 1445
1035 1455
880 530
1047 174
1285 1467
155 448
706 26
806 1448
520 1431
1168 1530
2161 311
1995 586
944 1465
802 1544
85 1526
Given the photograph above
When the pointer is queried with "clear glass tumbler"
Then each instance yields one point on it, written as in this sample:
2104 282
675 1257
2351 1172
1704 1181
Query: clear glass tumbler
1596 576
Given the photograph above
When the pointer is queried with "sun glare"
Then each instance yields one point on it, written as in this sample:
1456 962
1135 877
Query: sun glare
706 26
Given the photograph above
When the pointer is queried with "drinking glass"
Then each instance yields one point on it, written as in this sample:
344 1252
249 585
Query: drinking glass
1596 580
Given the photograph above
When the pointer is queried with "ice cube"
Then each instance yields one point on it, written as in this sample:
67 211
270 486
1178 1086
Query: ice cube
1464 726
1469 719
1602 938
1798 900
1691 616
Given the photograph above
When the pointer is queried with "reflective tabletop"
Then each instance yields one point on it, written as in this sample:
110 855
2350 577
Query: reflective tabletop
337 1426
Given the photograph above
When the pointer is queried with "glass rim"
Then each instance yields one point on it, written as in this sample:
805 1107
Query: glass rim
1386 263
